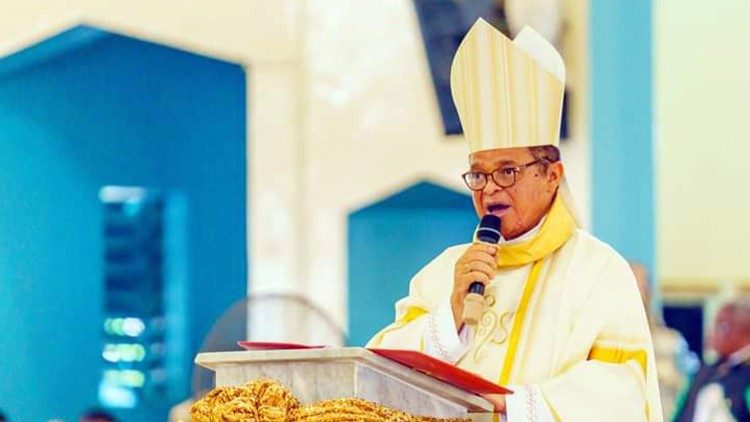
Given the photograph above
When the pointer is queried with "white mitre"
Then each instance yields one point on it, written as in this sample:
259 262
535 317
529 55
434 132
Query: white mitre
508 93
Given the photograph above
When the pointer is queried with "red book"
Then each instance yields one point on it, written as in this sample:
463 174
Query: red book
418 361
436 368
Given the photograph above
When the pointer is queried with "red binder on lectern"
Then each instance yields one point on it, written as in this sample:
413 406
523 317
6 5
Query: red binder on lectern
417 361
436 368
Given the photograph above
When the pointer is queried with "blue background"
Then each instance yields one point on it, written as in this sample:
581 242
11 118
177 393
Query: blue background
87 109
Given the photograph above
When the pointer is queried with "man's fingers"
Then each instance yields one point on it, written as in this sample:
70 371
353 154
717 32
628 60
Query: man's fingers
480 266
473 276
497 400
484 247
478 256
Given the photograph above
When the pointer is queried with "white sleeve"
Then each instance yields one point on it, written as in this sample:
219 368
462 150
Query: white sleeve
441 339
527 404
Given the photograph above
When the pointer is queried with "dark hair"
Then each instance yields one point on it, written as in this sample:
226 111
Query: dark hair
98 414
549 153
2 417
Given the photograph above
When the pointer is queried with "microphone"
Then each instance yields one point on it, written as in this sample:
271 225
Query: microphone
488 232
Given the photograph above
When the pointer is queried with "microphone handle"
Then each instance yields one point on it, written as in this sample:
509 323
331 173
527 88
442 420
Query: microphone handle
474 304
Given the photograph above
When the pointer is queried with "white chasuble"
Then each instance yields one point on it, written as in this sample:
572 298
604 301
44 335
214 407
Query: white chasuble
565 324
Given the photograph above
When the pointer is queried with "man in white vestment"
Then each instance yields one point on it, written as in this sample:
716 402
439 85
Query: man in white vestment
564 326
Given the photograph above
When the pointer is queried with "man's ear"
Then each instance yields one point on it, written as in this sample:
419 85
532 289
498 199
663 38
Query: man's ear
555 173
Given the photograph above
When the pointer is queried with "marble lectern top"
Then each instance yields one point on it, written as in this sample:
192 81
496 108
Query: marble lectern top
319 374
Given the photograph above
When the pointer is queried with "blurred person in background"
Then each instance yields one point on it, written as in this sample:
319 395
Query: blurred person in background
97 415
2 417
674 360
721 391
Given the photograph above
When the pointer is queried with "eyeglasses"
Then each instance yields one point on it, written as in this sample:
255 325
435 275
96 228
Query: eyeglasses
504 177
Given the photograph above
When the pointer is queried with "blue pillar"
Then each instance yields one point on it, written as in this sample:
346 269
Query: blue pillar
621 120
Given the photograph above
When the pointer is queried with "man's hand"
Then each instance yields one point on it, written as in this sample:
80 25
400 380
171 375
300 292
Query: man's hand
476 264
498 400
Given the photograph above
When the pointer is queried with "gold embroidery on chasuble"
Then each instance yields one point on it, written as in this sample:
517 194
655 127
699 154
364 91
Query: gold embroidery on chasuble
494 328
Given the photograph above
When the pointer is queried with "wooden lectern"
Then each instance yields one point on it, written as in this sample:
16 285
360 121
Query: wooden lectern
328 373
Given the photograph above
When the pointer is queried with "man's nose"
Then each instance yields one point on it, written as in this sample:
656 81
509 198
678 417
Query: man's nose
491 186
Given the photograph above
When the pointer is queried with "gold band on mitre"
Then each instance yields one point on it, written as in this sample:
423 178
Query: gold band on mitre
508 93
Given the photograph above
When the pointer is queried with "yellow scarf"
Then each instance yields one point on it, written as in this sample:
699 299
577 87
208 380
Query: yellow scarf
555 231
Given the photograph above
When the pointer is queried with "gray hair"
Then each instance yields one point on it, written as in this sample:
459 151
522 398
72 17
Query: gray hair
548 153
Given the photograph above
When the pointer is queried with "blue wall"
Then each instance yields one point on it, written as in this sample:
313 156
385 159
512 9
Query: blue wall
390 241
103 110
621 126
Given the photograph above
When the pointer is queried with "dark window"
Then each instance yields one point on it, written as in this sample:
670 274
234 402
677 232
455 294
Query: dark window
133 326
688 320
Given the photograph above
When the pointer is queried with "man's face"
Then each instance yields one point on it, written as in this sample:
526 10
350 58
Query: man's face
522 205
731 331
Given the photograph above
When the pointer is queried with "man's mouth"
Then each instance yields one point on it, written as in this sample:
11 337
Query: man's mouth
497 209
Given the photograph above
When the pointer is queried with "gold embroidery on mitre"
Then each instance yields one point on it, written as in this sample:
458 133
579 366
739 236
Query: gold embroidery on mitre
508 93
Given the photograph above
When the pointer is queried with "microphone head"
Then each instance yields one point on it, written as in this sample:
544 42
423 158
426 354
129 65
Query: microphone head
489 229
